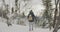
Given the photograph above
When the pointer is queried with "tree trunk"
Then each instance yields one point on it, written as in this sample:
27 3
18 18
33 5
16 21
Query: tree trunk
56 23
55 17
16 5
59 7
56 10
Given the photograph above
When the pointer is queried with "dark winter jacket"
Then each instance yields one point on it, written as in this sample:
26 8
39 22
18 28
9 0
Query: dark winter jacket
33 16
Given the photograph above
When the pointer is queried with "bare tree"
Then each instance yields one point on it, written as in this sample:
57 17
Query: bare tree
55 23
59 13
16 5
56 10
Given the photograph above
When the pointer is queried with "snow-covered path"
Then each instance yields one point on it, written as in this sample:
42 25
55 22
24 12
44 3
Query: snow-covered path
20 28
13 28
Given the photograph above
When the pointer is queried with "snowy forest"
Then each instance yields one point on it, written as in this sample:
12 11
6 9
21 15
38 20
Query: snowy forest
14 15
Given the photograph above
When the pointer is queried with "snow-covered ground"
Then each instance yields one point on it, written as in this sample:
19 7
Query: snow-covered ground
20 28
13 28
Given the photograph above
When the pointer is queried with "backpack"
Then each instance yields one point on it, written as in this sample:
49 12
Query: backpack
30 17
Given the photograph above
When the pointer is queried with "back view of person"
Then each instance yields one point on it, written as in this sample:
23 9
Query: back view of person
31 15
31 20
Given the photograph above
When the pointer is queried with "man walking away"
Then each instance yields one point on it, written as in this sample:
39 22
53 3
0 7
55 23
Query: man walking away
31 20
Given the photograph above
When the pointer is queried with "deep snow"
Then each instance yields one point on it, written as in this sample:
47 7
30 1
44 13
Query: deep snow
20 28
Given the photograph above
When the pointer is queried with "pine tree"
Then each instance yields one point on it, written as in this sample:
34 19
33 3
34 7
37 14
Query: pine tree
48 12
